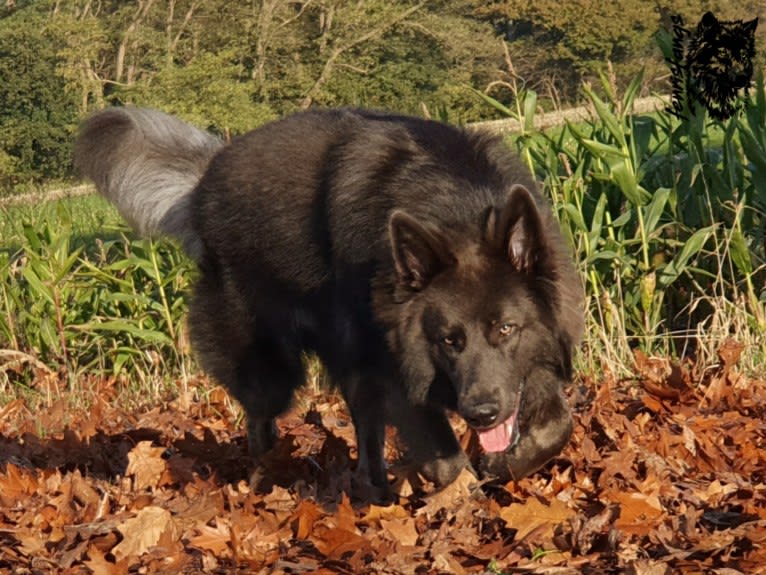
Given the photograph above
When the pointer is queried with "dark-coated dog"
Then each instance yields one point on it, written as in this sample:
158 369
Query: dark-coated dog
414 258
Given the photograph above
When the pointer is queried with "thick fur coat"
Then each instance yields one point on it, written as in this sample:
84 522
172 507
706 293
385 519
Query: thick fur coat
416 259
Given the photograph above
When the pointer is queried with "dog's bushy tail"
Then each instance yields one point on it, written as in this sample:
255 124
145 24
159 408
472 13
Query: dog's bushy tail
146 163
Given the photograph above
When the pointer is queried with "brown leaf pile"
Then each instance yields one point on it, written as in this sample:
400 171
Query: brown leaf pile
665 474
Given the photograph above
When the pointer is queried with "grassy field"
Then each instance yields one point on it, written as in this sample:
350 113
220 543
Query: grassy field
85 217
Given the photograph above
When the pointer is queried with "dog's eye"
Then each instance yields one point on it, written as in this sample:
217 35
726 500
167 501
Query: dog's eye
507 329
448 340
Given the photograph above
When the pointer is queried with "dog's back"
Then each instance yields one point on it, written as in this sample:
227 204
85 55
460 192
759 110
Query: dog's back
310 195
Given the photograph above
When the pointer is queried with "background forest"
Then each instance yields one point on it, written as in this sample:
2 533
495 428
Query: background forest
230 66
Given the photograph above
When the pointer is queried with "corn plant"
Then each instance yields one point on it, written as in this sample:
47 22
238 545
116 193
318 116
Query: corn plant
115 304
666 216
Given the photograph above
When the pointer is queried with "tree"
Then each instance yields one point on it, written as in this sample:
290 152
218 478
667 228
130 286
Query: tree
37 113
556 45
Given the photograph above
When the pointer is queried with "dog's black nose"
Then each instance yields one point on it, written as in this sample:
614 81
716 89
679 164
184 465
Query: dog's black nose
482 415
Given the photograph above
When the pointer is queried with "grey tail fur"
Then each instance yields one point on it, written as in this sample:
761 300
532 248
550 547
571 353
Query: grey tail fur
146 163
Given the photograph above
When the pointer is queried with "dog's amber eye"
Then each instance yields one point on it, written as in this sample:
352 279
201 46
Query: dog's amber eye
506 329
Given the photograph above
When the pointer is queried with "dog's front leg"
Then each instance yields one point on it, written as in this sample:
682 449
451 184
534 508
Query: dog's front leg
366 402
430 441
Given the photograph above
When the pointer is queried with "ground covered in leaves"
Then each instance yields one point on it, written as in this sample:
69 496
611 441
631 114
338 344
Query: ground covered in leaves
666 473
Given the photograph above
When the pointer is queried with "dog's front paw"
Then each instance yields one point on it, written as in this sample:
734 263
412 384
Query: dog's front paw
442 471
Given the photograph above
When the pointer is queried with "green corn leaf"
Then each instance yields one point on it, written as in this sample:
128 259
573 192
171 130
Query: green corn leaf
39 289
119 362
626 180
753 149
631 91
596 224
678 264
494 103
576 217
740 254
67 265
621 220
603 151
128 327
609 255
655 209
606 116
530 106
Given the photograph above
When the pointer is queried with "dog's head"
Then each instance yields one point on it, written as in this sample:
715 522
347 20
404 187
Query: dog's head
481 326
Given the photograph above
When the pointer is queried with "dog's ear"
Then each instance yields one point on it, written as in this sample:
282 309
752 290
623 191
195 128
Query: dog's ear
515 231
419 254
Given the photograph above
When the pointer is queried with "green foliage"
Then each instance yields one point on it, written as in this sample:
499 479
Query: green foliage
207 92
115 304
227 66
667 217
37 117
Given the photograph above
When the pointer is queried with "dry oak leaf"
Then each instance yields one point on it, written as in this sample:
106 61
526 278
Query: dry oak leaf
146 465
401 530
729 353
377 512
334 542
533 515
457 492
304 518
16 482
648 567
152 526
639 513
214 539
99 565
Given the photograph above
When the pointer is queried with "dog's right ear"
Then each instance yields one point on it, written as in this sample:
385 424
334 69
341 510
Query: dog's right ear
419 254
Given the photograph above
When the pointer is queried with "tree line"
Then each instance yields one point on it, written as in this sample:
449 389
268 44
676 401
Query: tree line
229 66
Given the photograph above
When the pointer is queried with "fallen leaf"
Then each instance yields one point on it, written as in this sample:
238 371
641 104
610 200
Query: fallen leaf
333 543
401 530
729 353
306 514
451 495
99 565
145 465
345 516
144 531
214 539
639 513
15 483
648 567
377 512
533 514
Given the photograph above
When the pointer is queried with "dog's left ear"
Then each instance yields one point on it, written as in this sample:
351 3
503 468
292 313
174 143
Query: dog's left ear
515 231
419 253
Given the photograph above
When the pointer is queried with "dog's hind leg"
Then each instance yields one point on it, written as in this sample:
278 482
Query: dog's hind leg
259 366
266 377
364 394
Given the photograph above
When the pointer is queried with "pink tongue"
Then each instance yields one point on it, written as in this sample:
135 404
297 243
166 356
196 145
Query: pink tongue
499 437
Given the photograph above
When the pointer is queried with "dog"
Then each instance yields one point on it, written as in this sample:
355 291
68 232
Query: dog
416 259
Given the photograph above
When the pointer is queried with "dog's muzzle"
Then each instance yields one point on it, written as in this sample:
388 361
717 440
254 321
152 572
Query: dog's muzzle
505 435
